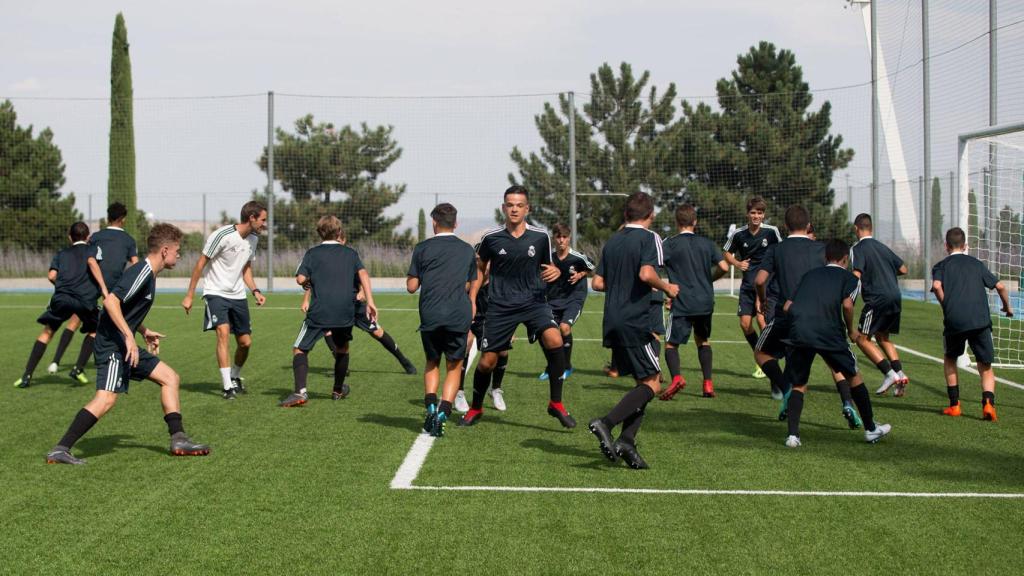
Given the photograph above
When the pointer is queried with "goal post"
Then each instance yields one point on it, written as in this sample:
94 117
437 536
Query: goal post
990 209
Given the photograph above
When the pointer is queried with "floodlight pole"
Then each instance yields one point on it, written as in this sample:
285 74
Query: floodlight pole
270 191
874 108
993 115
572 168
926 209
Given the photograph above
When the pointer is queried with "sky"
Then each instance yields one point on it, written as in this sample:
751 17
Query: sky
58 58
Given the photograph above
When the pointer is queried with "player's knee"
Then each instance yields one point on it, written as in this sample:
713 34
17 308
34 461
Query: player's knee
745 324
565 329
245 341
378 333
297 351
487 362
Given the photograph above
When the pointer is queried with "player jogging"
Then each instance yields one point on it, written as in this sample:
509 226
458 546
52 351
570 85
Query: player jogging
568 294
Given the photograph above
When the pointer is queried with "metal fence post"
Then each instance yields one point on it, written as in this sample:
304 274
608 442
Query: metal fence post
874 108
927 119
572 169
90 208
270 191
205 228
893 214
922 196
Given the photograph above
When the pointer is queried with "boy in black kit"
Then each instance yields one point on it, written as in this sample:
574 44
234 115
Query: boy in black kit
568 294
330 270
745 248
77 283
518 258
692 262
445 268
960 282
820 314
626 273
476 331
878 269
118 358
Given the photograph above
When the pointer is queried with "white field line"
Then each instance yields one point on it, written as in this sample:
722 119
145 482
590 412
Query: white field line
702 492
417 454
913 352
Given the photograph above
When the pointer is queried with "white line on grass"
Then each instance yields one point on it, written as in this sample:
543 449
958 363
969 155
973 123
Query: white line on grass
701 492
911 351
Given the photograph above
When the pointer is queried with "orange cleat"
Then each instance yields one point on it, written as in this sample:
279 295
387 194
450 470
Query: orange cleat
988 412
953 410
709 389
678 383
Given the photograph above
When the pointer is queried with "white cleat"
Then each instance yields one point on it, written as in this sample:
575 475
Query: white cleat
872 436
793 441
461 406
52 368
891 378
498 397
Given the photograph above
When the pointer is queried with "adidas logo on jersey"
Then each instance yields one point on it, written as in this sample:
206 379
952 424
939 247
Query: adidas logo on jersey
149 296
502 252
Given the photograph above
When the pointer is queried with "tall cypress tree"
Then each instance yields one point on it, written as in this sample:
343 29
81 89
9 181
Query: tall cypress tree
121 174
937 232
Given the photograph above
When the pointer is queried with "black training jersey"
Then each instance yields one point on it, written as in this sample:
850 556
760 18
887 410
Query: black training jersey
515 265
444 264
481 301
689 260
136 290
115 248
788 261
747 245
627 298
965 299
879 268
333 272
73 276
816 315
561 292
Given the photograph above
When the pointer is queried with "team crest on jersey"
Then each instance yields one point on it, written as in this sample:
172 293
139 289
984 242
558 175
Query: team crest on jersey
532 252
764 243
213 317
483 343
572 270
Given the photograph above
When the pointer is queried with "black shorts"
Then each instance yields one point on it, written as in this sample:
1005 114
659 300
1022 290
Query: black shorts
748 297
980 341
679 328
437 342
500 325
234 313
771 339
62 307
309 336
799 361
567 312
656 316
640 361
113 372
879 320
362 322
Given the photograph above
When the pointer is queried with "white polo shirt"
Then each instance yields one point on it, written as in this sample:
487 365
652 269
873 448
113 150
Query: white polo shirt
228 253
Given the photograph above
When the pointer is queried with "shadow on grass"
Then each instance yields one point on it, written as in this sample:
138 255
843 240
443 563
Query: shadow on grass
387 421
207 388
99 445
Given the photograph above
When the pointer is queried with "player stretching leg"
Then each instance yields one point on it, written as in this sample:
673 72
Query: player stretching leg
568 294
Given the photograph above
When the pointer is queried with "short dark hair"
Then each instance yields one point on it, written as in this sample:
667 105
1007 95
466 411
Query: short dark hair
955 237
836 250
797 218
517 189
445 215
79 232
686 215
639 206
328 227
561 230
161 235
252 209
863 221
758 203
116 211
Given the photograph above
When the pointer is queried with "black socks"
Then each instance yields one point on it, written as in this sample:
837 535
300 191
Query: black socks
556 367
795 406
988 398
300 368
897 365
38 348
633 402
863 402
672 359
954 394
83 421
85 352
340 370
843 387
481 380
429 400
499 372
704 357
884 366
173 421
751 339
65 341
567 346
774 373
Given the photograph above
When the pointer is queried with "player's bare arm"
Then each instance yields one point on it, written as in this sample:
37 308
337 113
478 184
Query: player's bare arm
251 284
197 271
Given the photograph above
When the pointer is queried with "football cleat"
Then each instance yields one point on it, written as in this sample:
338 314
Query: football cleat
471 418
872 436
562 415
953 410
988 412
428 421
52 368
78 376
61 455
709 389
239 384
228 394
604 438
294 399
900 388
776 393
792 441
784 407
439 424
408 367
568 372
461 405
852 418
678 383
629 455
543 375
23 382
498 397
341 394
182 445
758 373
890 379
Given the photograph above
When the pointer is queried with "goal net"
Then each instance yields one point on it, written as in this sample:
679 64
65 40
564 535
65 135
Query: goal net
991 203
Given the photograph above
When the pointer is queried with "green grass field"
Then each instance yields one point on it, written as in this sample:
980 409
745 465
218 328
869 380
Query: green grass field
306 490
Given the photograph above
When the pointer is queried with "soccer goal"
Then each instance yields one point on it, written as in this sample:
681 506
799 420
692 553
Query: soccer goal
990 207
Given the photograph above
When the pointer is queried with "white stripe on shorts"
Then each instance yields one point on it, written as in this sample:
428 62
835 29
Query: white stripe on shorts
302 334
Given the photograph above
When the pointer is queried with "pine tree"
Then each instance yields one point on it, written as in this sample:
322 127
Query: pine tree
121 175
936 220
421 226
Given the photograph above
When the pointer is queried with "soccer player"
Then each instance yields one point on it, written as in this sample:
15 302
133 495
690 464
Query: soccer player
118 358
568 294
878 268
77 282
476 331
960 282
115 250
693 262
518 258
445 267
820 316
745 248
786 263
330 270
226 268
626 273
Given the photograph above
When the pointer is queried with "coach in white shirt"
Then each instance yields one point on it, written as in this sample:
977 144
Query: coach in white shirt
230 251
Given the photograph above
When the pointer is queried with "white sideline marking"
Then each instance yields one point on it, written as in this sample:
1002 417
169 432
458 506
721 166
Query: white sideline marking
913 352
701 492
417 455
